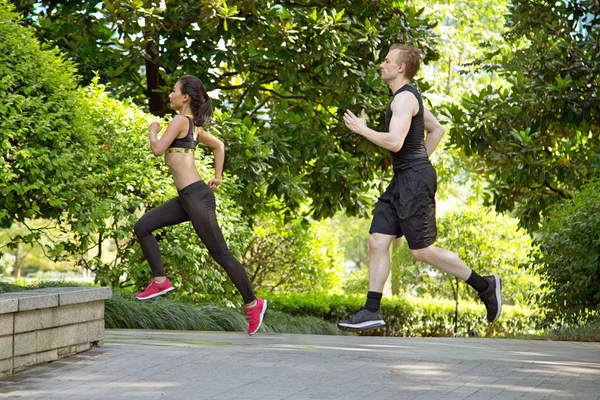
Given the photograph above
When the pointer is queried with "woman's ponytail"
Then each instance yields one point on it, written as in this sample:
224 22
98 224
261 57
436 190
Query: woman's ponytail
201 104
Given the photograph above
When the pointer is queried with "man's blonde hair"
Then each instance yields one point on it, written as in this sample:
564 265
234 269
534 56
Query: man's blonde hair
410 56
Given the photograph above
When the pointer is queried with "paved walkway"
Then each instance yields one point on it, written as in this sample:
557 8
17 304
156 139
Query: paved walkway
227 365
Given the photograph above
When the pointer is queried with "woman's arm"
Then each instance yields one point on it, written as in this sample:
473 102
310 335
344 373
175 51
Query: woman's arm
178 125
218 149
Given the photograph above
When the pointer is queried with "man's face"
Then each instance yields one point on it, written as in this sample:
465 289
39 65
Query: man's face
389 67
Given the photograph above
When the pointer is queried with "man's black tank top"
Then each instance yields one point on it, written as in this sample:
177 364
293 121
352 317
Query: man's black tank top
188 141
413 152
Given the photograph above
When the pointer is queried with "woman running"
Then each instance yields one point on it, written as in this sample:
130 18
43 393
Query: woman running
196 201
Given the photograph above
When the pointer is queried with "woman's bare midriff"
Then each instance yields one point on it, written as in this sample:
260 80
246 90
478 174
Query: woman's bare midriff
183 169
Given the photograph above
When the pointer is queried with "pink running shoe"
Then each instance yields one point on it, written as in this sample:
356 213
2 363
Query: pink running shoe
155 289
255 315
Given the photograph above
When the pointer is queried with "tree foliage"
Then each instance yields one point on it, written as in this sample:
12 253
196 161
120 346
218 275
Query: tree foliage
293 256
469 30
284 70
80 160
569 255
40 149
535 140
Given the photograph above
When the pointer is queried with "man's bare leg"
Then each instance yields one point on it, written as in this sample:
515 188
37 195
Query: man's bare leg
379 260
488 287
379 269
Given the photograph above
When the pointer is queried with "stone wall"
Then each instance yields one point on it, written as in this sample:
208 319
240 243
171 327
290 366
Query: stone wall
43 325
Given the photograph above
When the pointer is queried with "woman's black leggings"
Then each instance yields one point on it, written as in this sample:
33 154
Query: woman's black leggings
195 203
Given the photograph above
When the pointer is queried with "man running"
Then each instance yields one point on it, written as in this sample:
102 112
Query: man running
407 207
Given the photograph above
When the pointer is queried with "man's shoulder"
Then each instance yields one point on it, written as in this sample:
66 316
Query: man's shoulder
403 99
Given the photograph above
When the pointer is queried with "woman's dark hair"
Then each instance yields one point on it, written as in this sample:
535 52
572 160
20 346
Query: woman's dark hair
201 103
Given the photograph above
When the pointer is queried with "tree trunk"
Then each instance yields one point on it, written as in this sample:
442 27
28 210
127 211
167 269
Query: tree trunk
18 263
156 100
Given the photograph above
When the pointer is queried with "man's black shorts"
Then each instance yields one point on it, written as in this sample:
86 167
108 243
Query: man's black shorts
407 207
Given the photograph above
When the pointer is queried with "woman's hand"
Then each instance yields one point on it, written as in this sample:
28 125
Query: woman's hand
214 184
154 128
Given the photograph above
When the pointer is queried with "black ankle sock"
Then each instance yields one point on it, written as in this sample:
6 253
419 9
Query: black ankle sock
373 301
477 282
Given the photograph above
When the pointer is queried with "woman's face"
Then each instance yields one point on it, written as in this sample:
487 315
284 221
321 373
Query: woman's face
176 98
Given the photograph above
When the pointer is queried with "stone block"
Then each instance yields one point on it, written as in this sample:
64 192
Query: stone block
5 367
84 295
48 324
22 362
95 330
46 356
72 335
33 320
67 351
6 324
46 339
6 347
8 305
83 347
25 343
78 313
35 301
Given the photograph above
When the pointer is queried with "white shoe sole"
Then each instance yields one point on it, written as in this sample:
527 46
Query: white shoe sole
262 314
498 296
156 294
363 325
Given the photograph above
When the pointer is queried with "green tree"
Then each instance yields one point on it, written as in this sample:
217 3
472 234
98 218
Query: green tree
534 139
40 147
470 30
19 257
569 256
285 70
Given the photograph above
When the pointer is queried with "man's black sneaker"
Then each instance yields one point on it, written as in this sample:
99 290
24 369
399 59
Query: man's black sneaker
492 297
363 320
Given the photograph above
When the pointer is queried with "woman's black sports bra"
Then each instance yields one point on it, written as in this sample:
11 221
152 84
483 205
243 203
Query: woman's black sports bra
186 144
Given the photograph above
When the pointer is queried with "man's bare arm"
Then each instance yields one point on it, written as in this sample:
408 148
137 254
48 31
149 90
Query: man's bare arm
403 107
434 129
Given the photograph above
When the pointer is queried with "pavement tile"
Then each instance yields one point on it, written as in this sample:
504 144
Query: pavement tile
229 365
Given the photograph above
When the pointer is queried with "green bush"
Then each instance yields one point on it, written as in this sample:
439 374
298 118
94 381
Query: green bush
79 161
569 256
42 152
285 256
309 313
409 316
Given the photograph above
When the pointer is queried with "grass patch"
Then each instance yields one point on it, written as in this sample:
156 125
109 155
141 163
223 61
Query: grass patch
122 311
590 332
6 287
